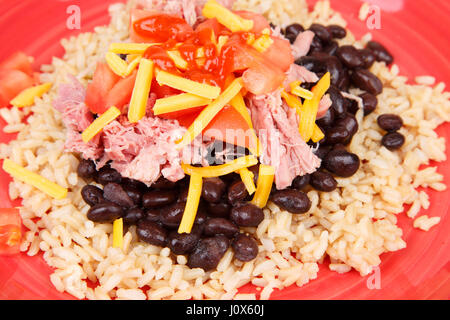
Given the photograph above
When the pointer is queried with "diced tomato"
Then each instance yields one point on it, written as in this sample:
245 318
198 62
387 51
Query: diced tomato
10 231
228 126
162 91
18 61
184 117
211 24
137 14
12 82
280 53
120 94
259 21
263 78
97 91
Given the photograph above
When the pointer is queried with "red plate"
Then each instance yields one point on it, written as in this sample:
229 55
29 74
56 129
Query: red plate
415 31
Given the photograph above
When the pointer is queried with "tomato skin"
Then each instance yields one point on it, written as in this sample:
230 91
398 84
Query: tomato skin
280 53
10 231
259 21
12 82
263 78
120 94
97 91
18 61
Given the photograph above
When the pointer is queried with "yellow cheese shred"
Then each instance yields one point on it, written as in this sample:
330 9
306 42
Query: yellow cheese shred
133 65
247 177
179 102
193 199
176 57
130 48
221 170
262 43
141 90
310 108
52 189
302 93
118 233
186 85
225 17
116 64
317 134
98 124
27 96
208 114
264 185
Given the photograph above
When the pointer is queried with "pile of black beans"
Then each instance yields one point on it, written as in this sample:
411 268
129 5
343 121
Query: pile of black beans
349 68
156 212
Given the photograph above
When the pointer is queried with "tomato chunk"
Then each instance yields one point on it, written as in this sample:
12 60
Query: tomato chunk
259 21
12 82
120 94
18 61
97 91
10 231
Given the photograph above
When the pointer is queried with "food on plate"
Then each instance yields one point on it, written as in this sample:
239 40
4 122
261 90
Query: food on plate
203 147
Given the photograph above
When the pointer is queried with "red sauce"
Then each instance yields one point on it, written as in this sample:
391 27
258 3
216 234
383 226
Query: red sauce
174 32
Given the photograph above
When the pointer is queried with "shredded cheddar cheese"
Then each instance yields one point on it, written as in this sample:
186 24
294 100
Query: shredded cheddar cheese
141 90
317 134
133 65
220 170
208 114
310 108
264 185
179 102
118 233
302 93
130 48
193 199
116 64
98 124
262 43
225 17
176 57
52 189
247 177
26 97
221 42
186 85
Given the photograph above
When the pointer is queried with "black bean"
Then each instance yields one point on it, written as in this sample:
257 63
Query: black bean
336 69
336 31
342 163
314 64
123 56
92 195
323 181
350 57
291 37
349 122
322 151
316 45
344 81
381 53
133 215
134 193
86 169
338 105
115 193
292 200
213 189
321 32
390 122
255 171
220 226
136 184
331 48
301 182
245 247
237 192
367 81
171 216
368 58
182 243
352 106
206 254
393 140
219 210
106 175
247 215
163 183
105 212
151 232
339 146
327 120
201 216
336 134
294 29
153 214
370 102
158 198
223 242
